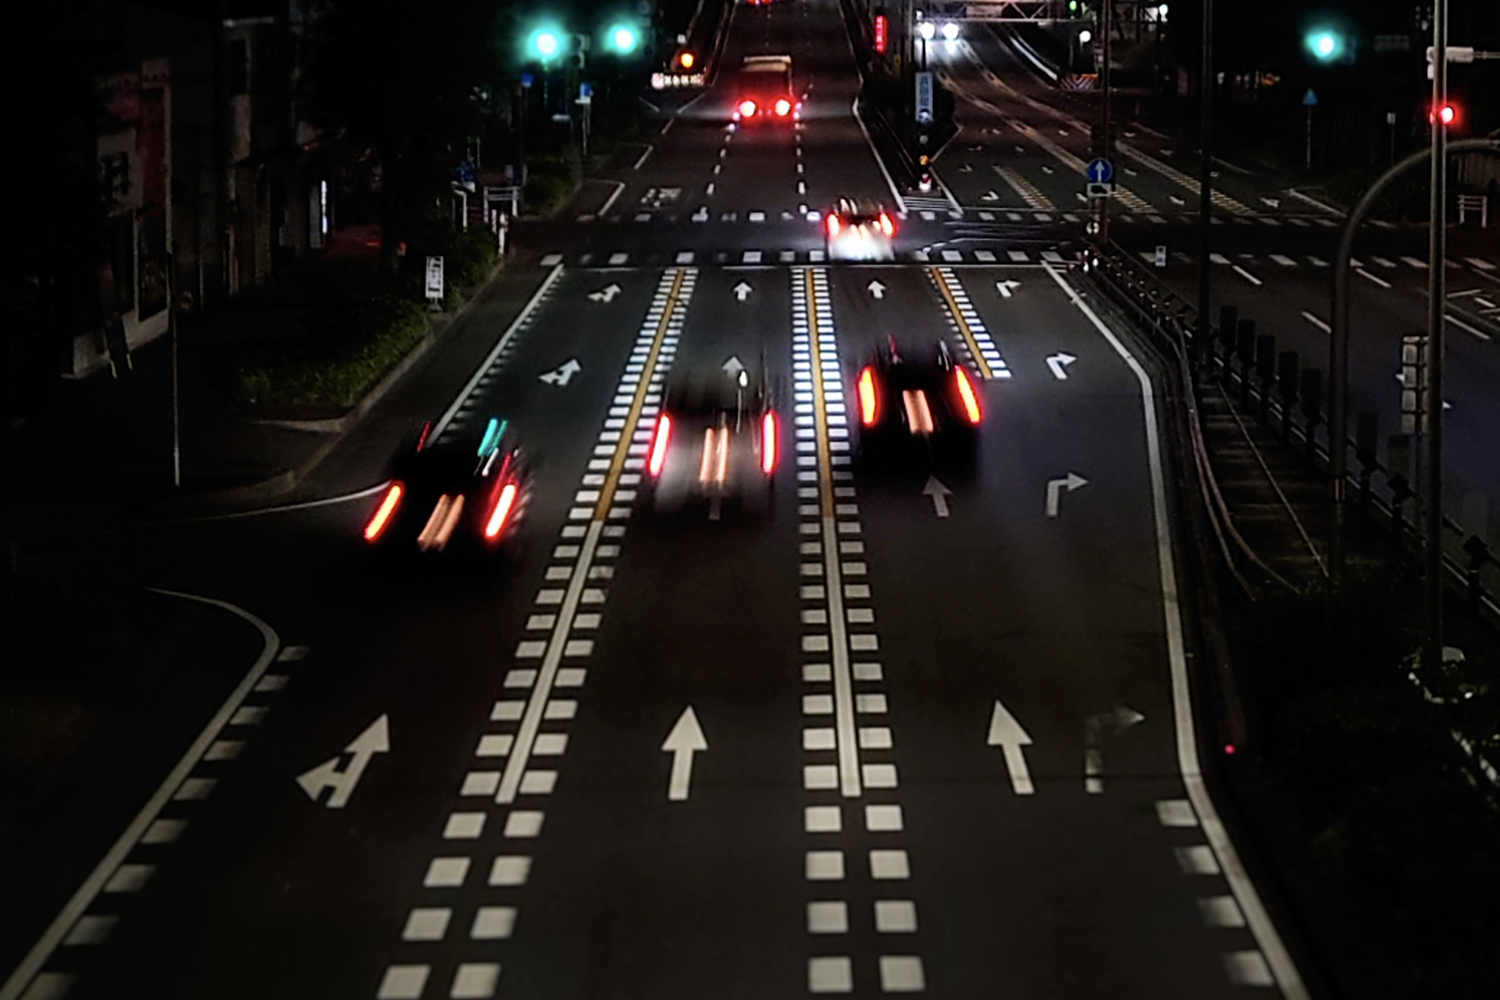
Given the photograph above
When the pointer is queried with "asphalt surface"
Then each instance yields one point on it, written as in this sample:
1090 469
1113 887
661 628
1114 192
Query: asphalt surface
940 734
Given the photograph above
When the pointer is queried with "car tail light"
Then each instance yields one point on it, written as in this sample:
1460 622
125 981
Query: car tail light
868 406
833 224
783 106
382 515
768 442
886 225
967 394
659 444
503 504
747 108
422 439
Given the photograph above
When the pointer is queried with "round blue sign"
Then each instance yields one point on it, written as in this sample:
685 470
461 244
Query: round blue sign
1099 171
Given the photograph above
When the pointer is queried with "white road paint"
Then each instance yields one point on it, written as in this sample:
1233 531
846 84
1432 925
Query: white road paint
1095 729
641 162
1059 363
685 739
876 289
83 897
742 290
1374 279
854 111
1007 288
1315 321
1007 734
1055 487
1246 275
1265 933
375 739
939 494
562 374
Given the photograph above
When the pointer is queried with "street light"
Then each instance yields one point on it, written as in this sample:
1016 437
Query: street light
624 39
927 29
950 31
1324 45
1085 36
546 43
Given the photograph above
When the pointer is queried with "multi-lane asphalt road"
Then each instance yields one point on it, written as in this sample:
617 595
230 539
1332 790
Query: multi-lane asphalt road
923 731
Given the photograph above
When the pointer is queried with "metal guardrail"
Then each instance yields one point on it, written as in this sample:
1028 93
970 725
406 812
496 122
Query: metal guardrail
1276 383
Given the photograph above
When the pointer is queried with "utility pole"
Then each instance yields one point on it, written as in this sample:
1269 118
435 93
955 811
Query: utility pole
1437 250
176 393
1109 146
1205 178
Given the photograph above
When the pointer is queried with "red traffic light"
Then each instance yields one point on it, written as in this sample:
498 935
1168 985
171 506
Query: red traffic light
1447 114
880 33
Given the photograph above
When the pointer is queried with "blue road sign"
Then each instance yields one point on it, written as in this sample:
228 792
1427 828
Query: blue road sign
1309 99
1099 171
527 80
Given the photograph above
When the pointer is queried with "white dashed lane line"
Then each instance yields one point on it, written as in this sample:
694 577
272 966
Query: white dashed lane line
850 777
499 804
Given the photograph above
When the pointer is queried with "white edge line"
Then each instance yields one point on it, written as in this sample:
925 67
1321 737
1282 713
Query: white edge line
1315 321
1266 935
489 361
1315 202
368 491
1246 275
1370 277
618 191
900 201
1464 326
84 896
642 160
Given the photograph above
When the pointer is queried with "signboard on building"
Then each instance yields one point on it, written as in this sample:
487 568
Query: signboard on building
924 98
435 281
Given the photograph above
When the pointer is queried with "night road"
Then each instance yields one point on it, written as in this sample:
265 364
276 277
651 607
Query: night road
923 724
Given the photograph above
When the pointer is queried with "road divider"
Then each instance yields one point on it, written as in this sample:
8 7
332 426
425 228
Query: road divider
964 319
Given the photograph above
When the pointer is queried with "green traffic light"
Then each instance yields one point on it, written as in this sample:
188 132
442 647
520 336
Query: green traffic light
623 39
546 43
1324 45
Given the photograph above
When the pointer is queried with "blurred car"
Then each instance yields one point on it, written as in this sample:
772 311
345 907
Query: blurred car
453 495
717 441
763 91
856 229
915 405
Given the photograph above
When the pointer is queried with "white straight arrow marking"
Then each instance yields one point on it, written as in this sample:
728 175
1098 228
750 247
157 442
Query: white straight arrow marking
742 291
1007 734
939 494
375 739
1055 488
1059 364
685 739
876 289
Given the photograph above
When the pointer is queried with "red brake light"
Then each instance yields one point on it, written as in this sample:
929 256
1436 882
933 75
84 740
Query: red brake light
966 393
659 444
503 505
833 224
867 401
886 225
426 430
768 442
783 106
747 108
382 515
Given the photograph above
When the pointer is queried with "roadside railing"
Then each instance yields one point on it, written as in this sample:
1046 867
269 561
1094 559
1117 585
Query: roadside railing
1287 394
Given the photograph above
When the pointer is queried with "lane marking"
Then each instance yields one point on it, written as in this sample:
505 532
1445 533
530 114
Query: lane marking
843 679
557 646
619 190
1315 321
642 160
1246 275
1266 935
1372 278
107 867
956 314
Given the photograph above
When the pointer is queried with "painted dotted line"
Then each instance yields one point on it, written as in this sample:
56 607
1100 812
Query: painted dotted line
1028 191
847 760
993 365
1244 966
515 757
134 873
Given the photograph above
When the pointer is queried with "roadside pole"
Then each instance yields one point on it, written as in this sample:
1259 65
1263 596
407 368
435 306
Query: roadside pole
1205 178
176 394
1109 147
1437 251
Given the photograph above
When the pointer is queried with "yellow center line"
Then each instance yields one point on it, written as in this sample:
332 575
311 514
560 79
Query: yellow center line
825 459
627 434
963 325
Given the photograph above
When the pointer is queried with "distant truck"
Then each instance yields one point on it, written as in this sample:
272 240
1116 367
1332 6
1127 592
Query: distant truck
763 91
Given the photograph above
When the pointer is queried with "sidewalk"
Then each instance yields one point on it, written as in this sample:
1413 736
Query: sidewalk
102 454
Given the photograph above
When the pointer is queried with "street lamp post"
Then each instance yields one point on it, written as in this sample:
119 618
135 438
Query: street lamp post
1437 252
1205 177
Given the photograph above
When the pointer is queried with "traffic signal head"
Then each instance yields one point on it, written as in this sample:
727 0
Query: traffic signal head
1324 45
1446 115
686 60
623 38
882 37
545 43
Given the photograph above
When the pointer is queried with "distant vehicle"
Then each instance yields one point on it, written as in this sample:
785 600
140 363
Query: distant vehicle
763 91
859 230
717 441
459 495
915 405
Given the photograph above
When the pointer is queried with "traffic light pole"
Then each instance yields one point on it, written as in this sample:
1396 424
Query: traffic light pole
1109 147
1437 249
1205 178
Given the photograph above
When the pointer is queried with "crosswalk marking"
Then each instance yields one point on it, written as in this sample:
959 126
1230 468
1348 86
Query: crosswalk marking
984 256
1413 262
551 259
1052 256
1480 263
685 257
616 259
1016 255
1283 260
1383 262
752 257
952 255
